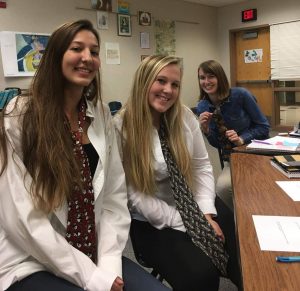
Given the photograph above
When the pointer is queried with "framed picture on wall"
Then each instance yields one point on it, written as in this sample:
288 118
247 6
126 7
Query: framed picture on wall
102 19
104 5
124 25
144 18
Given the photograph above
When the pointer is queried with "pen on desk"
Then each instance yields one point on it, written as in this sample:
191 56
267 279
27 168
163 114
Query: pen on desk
288 259
260 141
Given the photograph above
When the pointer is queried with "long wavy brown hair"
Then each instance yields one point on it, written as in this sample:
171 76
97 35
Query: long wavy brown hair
138 128
47 148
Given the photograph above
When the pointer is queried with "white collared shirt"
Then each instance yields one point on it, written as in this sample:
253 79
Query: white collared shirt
31 241
160 210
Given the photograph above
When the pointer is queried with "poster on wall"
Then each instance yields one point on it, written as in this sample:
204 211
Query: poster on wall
145 40
165 37
112 53
123 7
253 56
21 52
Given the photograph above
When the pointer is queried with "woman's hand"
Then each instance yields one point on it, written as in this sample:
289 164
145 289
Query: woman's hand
215 226
204 120
117 285
233 137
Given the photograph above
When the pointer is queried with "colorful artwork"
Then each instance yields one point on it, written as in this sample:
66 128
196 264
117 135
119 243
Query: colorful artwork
123 7
30 49
253 56
165 37
21 52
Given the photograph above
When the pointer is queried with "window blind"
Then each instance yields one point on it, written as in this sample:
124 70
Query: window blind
285 51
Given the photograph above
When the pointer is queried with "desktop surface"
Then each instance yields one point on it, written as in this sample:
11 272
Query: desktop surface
256 193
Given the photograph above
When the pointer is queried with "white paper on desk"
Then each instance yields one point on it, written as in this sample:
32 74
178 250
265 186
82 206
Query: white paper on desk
291 188
276 143
278 233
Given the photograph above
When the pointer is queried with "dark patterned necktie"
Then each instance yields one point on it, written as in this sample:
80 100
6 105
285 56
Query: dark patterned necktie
81 232
224 142
198 228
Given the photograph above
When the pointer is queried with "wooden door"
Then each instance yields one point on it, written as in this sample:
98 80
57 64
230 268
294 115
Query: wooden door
253 73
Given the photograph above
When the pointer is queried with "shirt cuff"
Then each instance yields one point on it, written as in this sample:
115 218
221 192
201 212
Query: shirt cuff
101 280
113 264
177 222
208 207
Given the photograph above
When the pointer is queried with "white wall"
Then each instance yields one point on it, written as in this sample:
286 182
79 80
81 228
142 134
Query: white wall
194 42
268 12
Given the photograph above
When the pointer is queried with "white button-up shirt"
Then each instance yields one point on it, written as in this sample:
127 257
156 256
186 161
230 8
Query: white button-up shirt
31 241
160 210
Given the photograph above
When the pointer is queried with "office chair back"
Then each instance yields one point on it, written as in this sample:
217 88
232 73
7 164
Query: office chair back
7 95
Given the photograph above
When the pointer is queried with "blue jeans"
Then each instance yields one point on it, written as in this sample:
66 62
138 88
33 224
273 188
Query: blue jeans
134 276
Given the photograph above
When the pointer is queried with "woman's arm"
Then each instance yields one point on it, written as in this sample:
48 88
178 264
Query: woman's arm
115 218
157 212
259 126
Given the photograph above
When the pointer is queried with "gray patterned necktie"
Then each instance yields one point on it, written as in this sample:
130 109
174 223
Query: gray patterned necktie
198 228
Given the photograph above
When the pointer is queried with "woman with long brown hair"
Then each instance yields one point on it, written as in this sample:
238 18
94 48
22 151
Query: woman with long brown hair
228 117
64 220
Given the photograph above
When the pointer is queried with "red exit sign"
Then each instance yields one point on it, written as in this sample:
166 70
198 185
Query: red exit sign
2 4
249 15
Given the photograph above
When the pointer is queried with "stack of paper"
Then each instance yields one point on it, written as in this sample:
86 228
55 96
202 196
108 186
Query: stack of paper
289 165
275 144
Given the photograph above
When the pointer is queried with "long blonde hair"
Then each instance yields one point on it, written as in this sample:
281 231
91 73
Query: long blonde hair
46 141
138 128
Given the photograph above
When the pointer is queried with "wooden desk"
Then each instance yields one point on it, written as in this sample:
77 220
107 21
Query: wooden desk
255 192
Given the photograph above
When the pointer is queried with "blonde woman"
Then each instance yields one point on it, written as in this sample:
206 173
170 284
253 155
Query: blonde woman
165 162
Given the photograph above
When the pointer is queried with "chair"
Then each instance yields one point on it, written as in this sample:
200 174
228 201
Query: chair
7 95
141 260
114 107
17 90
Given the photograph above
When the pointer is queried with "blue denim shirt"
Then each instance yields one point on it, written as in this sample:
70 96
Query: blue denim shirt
240 113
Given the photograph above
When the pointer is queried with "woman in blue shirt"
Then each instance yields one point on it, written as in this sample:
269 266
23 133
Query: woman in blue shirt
229 117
